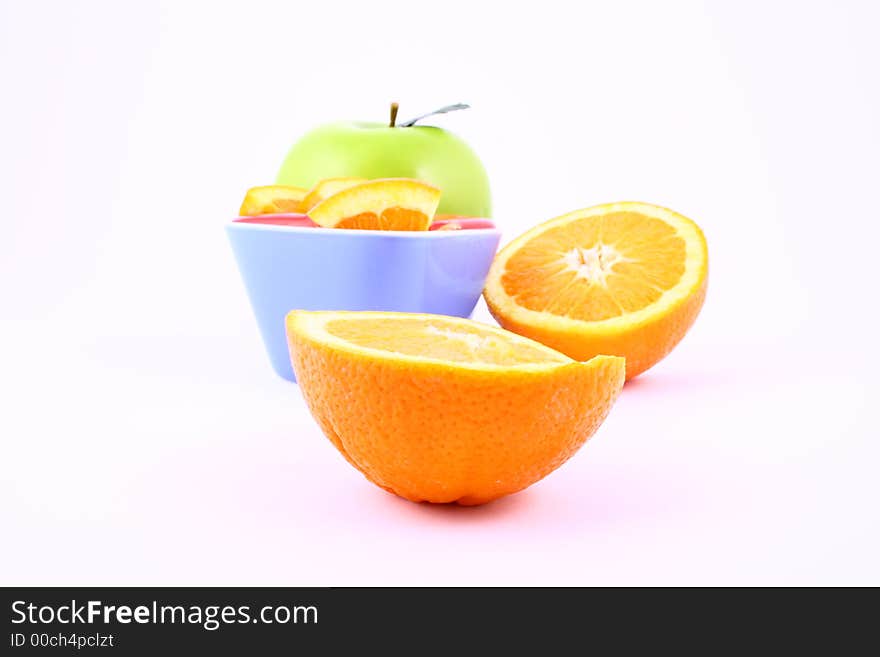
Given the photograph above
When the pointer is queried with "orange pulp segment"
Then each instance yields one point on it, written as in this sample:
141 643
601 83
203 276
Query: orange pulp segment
625 278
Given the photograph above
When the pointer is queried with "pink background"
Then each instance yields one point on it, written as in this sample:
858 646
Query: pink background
145 439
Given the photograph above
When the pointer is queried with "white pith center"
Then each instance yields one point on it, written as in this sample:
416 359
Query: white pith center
473 342
594 263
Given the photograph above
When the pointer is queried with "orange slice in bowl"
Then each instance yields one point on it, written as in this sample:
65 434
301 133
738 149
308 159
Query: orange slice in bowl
272 199
384 204
326 188
625 279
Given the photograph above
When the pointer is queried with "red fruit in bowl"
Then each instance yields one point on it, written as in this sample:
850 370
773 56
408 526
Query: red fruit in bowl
303 221
460 223
299 220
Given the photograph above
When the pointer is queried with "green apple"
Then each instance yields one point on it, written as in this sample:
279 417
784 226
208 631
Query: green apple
376 150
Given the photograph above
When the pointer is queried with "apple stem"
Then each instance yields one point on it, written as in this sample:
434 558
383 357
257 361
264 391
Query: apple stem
394 108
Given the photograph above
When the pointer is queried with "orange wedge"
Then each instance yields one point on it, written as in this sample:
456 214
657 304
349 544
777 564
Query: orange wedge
626 279
328 187
442 409
272 199
384 204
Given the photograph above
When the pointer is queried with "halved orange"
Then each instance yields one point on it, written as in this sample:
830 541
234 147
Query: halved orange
384 204
442 409
326 188
626 279
272 199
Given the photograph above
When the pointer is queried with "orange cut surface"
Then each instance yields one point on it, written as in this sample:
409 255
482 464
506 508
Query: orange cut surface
626 279
442 409
272 199
383 204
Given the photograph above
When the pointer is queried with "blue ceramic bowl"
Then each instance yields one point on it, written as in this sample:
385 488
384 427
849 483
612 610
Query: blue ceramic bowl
286 268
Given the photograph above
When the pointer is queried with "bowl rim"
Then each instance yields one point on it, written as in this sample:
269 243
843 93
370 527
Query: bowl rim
406 234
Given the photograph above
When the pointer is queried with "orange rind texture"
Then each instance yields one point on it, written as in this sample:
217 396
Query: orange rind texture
326 188
442 409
